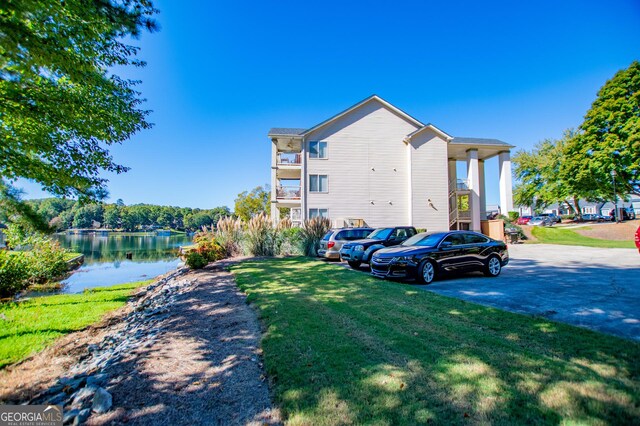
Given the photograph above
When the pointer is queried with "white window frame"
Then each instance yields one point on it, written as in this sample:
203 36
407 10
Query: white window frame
326 150
318 212
318 176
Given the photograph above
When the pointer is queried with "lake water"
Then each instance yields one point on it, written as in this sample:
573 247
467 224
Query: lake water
106 263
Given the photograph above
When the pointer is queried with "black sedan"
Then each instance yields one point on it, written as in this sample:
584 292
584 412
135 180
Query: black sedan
426 255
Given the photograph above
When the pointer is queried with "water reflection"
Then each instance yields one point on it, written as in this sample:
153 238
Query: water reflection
144 248
106 261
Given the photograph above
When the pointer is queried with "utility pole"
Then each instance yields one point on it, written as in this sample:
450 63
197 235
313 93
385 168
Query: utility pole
615 196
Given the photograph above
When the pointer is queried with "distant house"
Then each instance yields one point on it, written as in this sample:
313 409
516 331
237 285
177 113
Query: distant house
588 207
375 162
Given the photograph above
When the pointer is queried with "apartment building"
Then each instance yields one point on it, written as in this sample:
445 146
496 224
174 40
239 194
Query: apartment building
375 162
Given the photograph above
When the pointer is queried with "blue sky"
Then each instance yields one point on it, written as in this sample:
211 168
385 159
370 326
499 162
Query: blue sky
220 74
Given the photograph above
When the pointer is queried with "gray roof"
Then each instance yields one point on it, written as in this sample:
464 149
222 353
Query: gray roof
288 131
478 141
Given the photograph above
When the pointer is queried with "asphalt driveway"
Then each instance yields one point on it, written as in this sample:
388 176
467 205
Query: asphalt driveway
588 287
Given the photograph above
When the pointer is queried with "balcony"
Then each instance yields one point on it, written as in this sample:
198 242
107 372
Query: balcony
289 159
288 193
459 185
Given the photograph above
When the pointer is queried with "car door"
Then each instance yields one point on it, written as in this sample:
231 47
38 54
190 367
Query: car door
394 238
450 250
474 250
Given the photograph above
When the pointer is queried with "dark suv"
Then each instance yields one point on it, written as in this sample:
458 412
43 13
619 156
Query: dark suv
358 252
552 216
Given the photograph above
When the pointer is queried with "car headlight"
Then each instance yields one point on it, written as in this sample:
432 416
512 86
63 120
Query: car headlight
401 259
358 248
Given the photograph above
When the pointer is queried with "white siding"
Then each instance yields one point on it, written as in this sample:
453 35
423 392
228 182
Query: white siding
429 181
369 137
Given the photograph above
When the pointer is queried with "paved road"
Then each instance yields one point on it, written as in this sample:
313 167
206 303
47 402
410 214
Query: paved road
588 287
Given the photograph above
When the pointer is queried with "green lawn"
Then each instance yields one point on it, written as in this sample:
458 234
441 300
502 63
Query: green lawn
571 238
343 348
33 324
71 255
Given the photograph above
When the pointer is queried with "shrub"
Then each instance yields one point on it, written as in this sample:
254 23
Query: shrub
45 261
211 250
208 247
312 232
289 242
195 260
229 235
13 273
259 236
513 216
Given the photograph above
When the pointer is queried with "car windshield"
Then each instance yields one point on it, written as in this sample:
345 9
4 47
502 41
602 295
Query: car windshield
327 236
425 240
380 234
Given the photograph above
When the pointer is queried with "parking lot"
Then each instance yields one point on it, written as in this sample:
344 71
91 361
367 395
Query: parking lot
588 287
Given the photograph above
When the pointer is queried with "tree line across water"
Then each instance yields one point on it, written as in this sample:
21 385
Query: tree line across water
62 214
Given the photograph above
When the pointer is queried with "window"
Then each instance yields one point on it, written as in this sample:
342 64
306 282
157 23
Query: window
318 183
455 239
317 149
475 239
380 234
318 213
423 240
352 234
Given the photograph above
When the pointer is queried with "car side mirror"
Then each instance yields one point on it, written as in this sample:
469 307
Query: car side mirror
446 244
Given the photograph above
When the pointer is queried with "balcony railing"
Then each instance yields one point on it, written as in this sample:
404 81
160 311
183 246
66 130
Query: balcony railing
288 192
460 185
289 158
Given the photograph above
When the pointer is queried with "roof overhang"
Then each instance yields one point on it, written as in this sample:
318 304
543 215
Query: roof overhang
431 127
485 151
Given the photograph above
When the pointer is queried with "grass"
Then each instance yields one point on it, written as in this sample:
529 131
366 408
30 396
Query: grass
71 255
31 325
568 237
343 348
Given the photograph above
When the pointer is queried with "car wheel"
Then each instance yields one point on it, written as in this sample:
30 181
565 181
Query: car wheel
493 267
354 264
426 272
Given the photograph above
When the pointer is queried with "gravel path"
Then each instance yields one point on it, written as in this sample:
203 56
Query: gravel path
185 352
205 367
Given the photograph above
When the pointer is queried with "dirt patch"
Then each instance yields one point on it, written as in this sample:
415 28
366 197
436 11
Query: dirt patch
22 382
527 232
203 365
623 231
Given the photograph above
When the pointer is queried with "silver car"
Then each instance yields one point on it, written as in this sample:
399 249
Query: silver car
333 240
541 221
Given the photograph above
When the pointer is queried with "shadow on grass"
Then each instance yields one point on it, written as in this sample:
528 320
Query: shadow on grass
191 377
341 347
344 348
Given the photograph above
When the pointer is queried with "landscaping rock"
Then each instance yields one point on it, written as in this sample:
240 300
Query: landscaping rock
102 401
138 329
82 416
70 416
83 396
57 398
97 379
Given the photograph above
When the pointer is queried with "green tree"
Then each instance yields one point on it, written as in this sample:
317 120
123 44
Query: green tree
61 104
542 176
251 203
609 139
112 216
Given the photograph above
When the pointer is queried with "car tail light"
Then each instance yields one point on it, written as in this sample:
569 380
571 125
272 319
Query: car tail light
330 244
